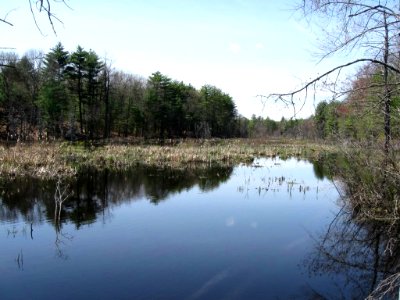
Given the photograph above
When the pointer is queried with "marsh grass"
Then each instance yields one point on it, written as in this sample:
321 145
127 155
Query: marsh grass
46 160
36 160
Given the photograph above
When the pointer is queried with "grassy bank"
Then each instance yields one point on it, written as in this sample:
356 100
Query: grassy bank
45 160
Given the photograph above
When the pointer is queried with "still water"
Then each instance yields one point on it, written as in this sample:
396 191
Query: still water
247 232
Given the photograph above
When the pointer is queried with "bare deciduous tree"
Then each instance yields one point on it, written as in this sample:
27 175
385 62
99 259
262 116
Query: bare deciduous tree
370 29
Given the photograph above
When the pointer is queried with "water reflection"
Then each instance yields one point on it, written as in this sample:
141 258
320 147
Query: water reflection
92 193
353 250
360 248
244 240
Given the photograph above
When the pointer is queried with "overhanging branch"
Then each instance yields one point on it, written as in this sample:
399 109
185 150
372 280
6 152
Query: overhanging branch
314 81
45 6
4 21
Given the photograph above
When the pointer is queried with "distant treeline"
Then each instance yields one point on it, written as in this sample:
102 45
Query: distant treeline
79 96
360 116
258 127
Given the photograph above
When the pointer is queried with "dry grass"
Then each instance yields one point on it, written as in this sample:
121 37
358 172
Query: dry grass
64 159
36 160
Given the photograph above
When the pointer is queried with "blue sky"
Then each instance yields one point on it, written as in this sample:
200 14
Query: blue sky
244 47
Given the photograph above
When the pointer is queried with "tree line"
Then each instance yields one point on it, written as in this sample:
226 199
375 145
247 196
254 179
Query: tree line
78 95
359 116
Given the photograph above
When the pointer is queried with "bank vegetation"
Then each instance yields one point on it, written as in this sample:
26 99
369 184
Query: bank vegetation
64 159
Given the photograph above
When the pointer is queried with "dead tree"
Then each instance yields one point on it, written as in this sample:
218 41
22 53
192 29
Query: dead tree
368 30
363 27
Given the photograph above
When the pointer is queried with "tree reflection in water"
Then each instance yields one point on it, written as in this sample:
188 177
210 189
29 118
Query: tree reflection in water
92 194
61 194
361 246
356 252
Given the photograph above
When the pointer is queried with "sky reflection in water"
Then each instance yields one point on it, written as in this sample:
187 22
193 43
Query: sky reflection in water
221 233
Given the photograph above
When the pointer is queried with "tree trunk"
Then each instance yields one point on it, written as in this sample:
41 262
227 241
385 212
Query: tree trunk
107 130
80 99
387 96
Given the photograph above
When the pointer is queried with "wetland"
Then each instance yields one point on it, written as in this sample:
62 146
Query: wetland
270 229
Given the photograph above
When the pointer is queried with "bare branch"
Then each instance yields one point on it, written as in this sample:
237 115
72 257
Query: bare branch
4 21
338 68
378 8
45 6
34 18
366 7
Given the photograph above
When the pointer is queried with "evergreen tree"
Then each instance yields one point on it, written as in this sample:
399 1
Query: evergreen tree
54 100
77 70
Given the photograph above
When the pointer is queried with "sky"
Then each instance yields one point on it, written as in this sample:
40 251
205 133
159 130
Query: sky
244 47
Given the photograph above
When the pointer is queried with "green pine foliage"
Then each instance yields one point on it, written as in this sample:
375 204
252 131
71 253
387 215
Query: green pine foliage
77 96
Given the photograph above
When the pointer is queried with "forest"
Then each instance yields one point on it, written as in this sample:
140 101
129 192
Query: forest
79 96
79 137
359 116
75 96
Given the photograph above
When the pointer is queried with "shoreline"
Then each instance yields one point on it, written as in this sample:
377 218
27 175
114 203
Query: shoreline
65 159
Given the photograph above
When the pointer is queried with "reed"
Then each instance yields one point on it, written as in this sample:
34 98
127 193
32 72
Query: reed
46 160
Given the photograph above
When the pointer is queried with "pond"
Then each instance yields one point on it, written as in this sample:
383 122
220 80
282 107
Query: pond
244 232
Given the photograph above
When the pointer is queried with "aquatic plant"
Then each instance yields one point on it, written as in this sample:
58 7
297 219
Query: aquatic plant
46 160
